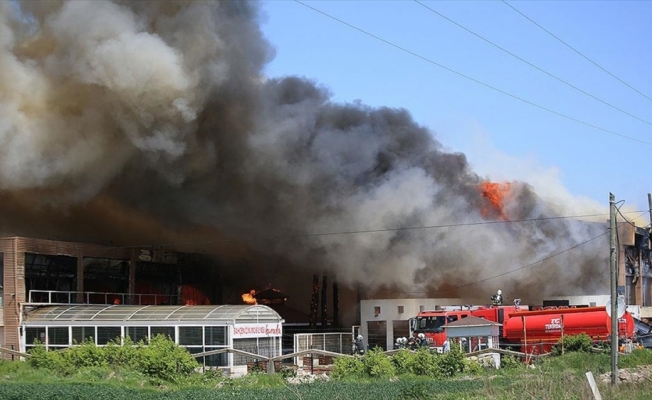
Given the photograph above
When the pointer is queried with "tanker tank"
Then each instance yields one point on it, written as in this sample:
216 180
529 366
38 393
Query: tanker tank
541 330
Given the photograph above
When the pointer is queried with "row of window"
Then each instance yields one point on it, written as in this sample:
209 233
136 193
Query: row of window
399 309
197 339
64 336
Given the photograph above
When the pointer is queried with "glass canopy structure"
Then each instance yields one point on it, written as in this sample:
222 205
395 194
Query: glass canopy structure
253 328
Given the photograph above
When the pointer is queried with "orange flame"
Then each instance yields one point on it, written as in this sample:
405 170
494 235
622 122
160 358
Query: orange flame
496 194
249 298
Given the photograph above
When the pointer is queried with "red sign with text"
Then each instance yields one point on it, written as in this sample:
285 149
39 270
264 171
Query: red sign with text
256 330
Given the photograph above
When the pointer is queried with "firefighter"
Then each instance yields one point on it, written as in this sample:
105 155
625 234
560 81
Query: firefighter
412 344
497 299
358 345
421 340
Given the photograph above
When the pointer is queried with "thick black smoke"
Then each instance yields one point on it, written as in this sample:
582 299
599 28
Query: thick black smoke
161 109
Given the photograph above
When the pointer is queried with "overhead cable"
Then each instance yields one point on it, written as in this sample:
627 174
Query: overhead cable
507 272
453 225
577 51
473 79
516 269
531 64
351 232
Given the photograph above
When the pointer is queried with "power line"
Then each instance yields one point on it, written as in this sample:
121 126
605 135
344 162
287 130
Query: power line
625 218
576 51
520 268
449 225
531 64
353 232
510 271
471 78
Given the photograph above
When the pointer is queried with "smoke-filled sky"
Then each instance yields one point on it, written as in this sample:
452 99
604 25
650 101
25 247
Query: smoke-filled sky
151 121
502 137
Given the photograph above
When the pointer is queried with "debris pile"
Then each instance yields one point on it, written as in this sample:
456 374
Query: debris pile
631 375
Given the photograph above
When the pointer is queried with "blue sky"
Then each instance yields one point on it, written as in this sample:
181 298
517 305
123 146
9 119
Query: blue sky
503 138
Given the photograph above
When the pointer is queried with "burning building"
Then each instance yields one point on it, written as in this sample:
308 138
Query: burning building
152 122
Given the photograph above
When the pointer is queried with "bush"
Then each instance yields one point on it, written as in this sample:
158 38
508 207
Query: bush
377 364
86 354
51 360
405 362
161 359
402 361
120 355
452 362
424 363
348 367
574 343
510 362
472 367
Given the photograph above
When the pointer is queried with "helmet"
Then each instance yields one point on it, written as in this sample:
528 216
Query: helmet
499 292
422 336
359 337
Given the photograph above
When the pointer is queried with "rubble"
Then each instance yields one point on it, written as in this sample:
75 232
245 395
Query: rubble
307 378
630 375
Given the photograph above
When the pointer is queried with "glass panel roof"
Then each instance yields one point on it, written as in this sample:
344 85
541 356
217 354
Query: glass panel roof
237 314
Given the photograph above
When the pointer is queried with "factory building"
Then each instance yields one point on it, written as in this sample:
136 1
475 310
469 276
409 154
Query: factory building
39 272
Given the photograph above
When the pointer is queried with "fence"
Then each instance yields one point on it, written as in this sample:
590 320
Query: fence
72 297
335 342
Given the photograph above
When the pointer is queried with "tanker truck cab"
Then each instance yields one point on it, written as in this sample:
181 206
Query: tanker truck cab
431 324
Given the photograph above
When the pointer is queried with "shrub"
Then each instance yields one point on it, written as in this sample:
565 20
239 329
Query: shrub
348 367
163 359
425 363
403 361
121 355
574 343
52 360
472 367
377 364
87 354
510 362
452 362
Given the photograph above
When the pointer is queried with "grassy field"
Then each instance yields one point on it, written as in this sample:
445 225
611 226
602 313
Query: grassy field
557 378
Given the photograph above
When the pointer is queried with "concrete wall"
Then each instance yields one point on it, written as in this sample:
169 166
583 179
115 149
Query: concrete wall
389 311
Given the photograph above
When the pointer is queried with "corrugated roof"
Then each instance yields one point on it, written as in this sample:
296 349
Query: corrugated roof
471 321
91 312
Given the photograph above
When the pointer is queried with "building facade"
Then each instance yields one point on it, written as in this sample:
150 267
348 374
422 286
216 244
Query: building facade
39 272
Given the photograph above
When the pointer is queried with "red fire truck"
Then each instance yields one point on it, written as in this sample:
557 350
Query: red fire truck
525 330
432 322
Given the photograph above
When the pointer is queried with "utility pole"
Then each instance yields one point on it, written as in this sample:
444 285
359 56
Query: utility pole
649 206
614 291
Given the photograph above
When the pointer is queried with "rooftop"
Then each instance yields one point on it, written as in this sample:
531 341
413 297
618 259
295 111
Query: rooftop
223 313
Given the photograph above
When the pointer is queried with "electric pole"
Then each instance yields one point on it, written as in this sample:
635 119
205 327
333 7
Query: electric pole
649 206
614 291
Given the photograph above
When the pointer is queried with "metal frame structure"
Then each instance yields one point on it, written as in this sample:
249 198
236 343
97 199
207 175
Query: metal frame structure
255 329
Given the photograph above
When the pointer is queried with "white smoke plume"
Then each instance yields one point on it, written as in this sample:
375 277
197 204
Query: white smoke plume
161 108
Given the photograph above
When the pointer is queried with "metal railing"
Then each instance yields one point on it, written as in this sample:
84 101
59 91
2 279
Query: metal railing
335 342
73 297
269 361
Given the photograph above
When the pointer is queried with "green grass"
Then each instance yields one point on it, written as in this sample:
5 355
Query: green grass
556 378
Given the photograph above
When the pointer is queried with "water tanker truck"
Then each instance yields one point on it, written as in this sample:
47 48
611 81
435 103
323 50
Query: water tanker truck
525 330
